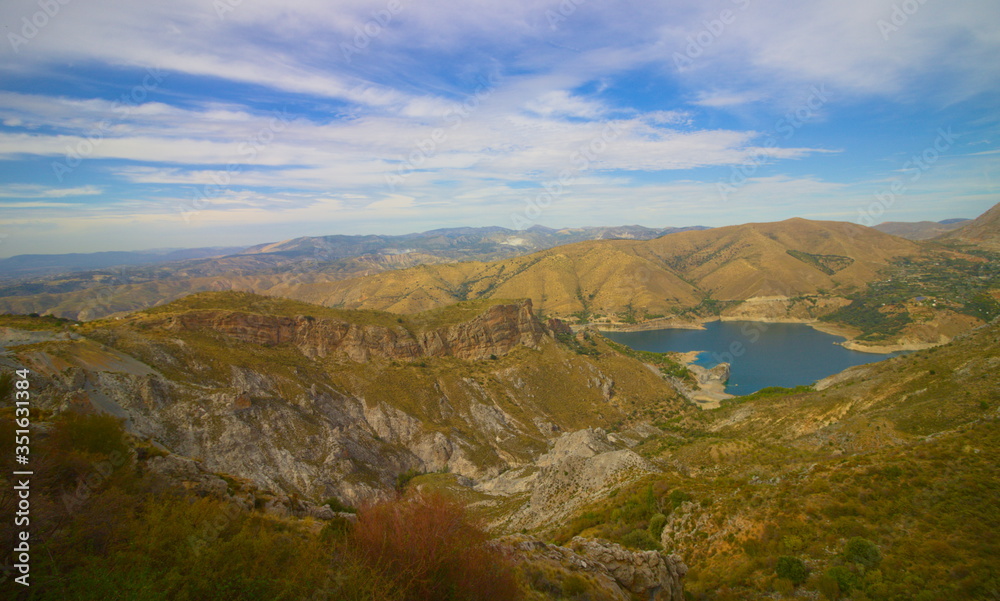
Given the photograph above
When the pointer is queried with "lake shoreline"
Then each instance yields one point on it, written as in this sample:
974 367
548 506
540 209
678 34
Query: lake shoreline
848 333
756 355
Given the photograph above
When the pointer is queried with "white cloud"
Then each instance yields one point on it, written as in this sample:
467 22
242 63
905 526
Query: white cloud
405 99
768 49
717 99
560 103
393 203
39 191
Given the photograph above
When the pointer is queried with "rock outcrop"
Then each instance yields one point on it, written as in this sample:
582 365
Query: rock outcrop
580 467
710 383
617 572
496 331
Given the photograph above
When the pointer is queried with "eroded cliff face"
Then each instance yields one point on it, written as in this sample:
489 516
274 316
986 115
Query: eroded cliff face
327 408
496 331
579 468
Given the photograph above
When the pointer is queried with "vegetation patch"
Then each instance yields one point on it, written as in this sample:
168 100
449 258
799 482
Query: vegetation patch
35 322
667 366
964 284
828 264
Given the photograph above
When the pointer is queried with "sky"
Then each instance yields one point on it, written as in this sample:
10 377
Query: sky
135 125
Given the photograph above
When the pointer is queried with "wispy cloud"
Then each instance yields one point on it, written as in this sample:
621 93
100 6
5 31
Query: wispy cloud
475 105
22 191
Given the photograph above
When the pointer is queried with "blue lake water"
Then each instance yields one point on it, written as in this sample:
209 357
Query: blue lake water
760 354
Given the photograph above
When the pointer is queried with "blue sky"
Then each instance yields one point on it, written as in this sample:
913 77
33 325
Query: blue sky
128 125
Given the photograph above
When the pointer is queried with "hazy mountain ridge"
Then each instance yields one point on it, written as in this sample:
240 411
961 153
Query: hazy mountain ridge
920 230
274 268
795 270
37 265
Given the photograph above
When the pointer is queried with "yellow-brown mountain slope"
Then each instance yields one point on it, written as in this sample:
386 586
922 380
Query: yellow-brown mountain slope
982 231
787 258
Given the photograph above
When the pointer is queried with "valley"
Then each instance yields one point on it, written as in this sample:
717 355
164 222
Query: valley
499 301
486 391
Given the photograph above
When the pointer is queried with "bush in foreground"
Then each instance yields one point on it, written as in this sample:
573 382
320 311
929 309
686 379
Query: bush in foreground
427 548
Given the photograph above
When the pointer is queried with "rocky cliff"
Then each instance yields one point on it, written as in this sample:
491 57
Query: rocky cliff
326 403
496 331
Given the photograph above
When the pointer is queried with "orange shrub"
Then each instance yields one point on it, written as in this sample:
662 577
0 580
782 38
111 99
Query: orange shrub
431 551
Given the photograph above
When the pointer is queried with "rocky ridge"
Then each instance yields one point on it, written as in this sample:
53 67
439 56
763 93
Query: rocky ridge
329 407
496 331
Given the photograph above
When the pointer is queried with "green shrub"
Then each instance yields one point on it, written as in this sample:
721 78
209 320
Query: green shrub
640 539
828 587
791 543
862 552
403 479
98 434
656 525
574 585
792 568
784 586
845 578
678 497
336 505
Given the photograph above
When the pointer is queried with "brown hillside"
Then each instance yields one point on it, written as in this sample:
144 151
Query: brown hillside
787 258
982 231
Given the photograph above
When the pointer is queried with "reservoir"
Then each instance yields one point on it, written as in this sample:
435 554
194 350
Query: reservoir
760 354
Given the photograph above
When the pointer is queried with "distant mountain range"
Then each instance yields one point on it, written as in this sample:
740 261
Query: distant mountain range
784 259
42 265
798 270
920 230
88 286
464 243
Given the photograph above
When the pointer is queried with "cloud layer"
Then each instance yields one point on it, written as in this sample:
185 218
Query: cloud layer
263 119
